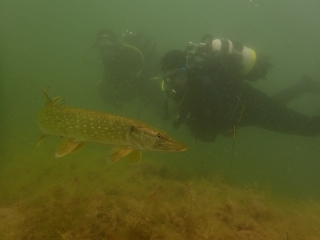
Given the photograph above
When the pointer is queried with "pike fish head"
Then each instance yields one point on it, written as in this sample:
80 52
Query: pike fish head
146 138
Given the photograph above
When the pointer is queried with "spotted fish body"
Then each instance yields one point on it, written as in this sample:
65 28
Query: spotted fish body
78 126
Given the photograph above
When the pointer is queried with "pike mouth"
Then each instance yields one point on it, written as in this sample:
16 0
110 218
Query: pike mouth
181 149
173 147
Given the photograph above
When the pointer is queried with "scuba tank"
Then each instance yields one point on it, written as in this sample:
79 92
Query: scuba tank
225 46
250 64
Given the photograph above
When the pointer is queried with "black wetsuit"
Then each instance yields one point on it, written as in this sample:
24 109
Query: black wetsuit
127 78
216 102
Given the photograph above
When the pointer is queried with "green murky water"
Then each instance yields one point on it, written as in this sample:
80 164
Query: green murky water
266 188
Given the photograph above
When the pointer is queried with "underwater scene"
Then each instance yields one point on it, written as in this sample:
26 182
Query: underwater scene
149 119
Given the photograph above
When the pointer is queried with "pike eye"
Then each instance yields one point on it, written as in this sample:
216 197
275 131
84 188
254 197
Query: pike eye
158 136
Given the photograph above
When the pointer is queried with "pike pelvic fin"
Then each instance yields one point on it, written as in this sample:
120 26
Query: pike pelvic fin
68 145
117 154
134 156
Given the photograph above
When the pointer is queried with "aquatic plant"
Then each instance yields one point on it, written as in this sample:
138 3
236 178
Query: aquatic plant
146 201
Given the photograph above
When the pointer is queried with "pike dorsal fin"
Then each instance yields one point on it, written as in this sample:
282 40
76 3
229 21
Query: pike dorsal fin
57 101
45 91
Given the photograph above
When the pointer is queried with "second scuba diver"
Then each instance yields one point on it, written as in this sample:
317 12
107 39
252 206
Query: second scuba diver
207 82
131 66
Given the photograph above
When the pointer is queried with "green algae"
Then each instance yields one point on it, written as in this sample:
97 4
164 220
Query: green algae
64 200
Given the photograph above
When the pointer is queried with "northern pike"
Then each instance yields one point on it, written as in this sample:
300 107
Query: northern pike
77 126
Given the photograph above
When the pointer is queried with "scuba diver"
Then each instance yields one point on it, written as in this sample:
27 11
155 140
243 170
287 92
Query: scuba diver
131 66
207 82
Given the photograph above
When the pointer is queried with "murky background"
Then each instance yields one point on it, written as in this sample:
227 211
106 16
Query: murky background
44 43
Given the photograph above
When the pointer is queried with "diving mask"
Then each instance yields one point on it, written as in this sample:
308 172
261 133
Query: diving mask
175 75
176 81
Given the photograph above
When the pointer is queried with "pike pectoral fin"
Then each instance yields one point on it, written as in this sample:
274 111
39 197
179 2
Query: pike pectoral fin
41 140
78 147
134 156
118 154
68 145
